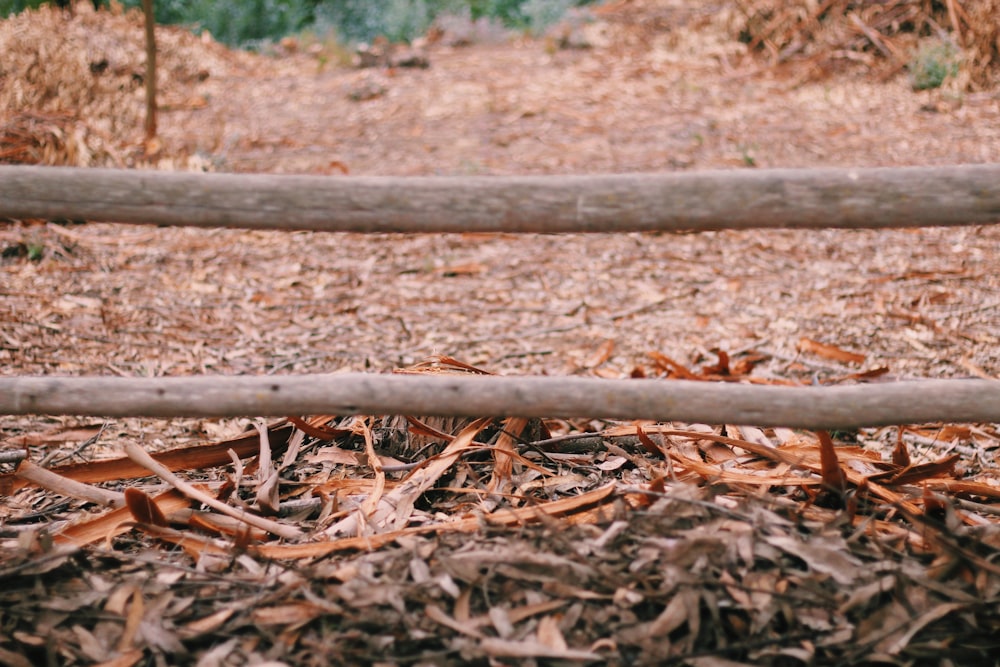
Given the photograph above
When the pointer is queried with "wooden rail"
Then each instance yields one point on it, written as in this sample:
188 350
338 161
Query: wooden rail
817 198
475 396
698 201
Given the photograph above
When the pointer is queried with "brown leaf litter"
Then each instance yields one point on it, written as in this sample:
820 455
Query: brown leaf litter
635 544
882 35
71 90
71 84
364 539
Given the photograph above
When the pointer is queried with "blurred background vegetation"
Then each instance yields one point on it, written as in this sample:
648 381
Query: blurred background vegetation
251 23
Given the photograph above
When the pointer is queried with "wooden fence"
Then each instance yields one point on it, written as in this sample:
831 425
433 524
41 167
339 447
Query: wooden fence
699 201
483 395
847 198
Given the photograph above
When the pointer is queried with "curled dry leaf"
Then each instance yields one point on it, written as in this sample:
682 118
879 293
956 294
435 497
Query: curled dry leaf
144 508
829 351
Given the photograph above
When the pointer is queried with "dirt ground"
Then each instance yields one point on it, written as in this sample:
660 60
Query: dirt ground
709 573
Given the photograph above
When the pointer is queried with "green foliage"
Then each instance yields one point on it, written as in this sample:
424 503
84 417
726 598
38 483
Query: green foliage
402 20
541 14
236 22
35 251
397 20
251 22
8 7
532 15
934 62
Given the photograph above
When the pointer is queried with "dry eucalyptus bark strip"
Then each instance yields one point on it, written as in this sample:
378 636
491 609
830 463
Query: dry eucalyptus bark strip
396 506
47 479
141 457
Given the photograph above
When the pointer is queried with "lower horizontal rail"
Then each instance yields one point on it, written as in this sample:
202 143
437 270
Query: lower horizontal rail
853 406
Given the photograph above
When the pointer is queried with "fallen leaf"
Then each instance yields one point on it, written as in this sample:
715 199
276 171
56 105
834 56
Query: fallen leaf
600 355
833 476
143 508
829 351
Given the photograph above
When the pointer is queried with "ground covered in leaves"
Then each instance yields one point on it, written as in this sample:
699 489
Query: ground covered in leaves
376 539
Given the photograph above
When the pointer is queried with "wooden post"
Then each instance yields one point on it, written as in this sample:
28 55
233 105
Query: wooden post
147 7
699 201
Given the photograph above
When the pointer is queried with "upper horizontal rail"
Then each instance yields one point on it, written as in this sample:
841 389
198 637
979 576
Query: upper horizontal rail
957 401
692 201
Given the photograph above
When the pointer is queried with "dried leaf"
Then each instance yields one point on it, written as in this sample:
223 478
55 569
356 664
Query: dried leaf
895 643
184 458
503 461
600 355
196 546
206 624
648 443
438 615
116 522
833 476
375 497
900 454
827 554
673 616
418 427
664 363
133 618
503 648
56 435
138 455
463 269
318 431
870 374
292 613
719 368
143 508
919 473
829 351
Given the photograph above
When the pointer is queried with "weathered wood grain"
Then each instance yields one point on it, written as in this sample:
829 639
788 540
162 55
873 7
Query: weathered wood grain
476 396
700 201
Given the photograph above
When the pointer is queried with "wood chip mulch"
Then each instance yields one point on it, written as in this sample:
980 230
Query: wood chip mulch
391 540
303 541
